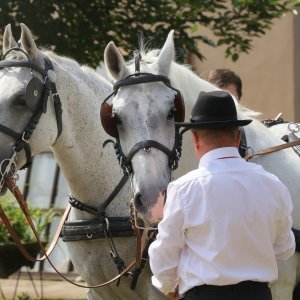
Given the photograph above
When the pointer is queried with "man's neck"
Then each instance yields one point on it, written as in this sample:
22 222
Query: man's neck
207 148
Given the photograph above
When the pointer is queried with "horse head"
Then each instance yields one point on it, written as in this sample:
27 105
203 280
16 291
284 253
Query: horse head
142 118
24 88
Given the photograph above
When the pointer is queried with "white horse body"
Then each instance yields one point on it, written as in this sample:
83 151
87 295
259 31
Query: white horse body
92 172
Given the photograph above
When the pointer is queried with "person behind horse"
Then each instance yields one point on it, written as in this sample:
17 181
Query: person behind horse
227 80
225 223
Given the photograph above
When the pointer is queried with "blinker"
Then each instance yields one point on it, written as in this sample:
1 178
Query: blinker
33 93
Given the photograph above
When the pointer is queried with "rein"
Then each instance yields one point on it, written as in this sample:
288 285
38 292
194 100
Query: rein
271 149
142 241
10 183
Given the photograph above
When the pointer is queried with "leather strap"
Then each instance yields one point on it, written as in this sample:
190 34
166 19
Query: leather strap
10 132
141 243
272 149
22 139
139 256
18 195
22 64
99 211
141 78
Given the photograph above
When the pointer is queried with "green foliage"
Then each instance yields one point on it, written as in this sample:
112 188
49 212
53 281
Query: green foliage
23 296
41 220
81 29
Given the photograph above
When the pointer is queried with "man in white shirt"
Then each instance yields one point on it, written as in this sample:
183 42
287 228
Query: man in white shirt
225 223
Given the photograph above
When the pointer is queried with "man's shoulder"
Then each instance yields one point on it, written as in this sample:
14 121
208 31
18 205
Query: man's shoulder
259 169
191 176
267 175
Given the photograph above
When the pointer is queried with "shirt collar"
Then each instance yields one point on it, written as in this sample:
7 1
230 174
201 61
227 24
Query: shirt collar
218 153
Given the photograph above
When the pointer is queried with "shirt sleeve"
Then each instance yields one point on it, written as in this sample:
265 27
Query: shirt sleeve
284 245
164 252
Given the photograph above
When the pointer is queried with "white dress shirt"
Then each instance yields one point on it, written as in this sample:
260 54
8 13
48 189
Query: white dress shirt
225 222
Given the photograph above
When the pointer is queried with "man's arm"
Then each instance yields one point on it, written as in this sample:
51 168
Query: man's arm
284 245
165 251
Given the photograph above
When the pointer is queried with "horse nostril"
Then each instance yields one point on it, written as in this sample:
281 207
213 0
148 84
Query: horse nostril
138 202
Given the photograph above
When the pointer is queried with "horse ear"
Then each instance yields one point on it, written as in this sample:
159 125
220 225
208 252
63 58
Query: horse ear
8 39
27 42
114 62
166 55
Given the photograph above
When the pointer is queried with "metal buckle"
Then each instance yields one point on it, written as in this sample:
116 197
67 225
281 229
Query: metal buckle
291 127
249 152
11 166
23 138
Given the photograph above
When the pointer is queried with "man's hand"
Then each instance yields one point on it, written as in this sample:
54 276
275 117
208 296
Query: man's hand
173 295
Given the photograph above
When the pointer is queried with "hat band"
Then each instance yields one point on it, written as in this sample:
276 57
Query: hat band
203 118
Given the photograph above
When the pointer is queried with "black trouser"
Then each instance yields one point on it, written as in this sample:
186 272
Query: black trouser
245 290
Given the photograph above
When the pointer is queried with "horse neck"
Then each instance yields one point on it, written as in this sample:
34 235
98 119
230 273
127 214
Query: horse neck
259 136
189 84
79 148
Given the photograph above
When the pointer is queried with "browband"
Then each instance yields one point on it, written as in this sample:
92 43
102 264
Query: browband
141 78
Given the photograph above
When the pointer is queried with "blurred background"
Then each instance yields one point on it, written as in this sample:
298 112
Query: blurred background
259 40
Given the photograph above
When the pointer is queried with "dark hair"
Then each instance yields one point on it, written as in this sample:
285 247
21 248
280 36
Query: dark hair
224 77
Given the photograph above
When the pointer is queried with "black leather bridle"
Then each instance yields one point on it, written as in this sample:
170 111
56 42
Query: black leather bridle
137 78
125 161
48 86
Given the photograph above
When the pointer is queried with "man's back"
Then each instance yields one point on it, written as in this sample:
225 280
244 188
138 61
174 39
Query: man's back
225 191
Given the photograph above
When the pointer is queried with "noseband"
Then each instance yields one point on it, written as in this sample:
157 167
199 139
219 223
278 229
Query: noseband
35 89
111 128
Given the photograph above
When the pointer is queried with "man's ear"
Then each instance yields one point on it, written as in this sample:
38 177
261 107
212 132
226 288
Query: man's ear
195 137
196 143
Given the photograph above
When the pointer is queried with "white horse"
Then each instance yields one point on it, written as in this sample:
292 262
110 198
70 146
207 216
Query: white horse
91 171
141 111
137 119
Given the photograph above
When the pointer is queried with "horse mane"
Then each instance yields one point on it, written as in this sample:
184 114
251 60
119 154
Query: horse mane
184 78
83 72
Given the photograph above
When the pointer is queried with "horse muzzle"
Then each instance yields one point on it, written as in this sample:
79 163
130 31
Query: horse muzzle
150 209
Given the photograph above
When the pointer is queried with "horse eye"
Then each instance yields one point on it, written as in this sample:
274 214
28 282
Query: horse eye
116 118
171 114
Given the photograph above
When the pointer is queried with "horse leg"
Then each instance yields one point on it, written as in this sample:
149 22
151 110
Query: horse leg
282 289
92 295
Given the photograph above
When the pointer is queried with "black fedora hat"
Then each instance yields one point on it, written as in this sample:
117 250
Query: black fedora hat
214 110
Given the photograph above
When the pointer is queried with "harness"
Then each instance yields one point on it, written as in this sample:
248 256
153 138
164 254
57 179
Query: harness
38 90
101 226
36 97
37 93
110 227
110 126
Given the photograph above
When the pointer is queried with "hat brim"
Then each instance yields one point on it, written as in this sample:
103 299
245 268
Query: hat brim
214 124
